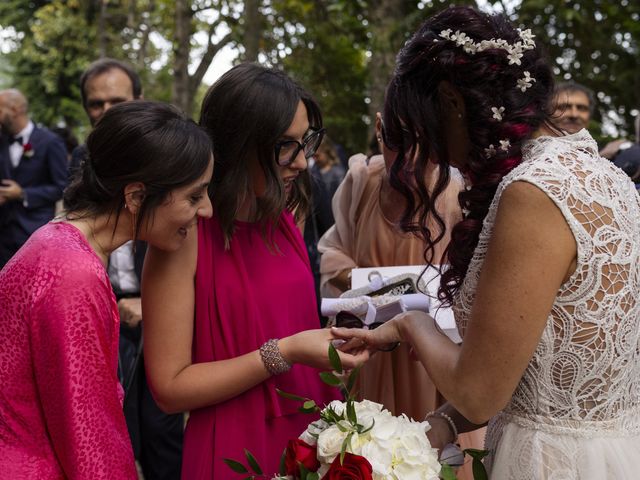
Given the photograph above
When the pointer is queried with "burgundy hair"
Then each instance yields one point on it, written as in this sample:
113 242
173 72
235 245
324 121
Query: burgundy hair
414 123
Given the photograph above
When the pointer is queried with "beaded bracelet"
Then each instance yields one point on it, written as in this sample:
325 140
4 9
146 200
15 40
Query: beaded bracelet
452 425
273 360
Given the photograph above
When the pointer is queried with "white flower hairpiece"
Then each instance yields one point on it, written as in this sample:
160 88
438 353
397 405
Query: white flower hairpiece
490 152
514 52
526 82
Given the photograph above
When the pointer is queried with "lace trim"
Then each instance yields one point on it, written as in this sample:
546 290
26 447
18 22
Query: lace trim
626 424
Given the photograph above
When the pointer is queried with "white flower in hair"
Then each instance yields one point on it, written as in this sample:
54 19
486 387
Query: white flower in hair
490 152
514 57
527 37
497 113
505 145
446 34
526 82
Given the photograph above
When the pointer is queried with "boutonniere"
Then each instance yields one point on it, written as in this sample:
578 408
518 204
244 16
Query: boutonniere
27 150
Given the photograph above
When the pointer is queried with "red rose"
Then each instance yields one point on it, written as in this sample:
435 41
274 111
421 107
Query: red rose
27 150
354 467
298 451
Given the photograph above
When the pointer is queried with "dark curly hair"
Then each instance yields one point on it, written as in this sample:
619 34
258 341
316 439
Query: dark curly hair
245 113
415 126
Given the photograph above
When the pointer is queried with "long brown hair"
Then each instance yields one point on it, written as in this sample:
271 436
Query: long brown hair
245 113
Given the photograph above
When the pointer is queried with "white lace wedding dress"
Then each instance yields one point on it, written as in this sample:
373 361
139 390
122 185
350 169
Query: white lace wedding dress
576 411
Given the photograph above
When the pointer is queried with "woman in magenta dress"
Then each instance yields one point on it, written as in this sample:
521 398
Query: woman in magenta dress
245 279
145 177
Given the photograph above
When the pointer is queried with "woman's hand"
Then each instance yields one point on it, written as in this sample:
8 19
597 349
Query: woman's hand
401 328
311 348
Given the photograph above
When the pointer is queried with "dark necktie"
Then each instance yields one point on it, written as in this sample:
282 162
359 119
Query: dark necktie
15 139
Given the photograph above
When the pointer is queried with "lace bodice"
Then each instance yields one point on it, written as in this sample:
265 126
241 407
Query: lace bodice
587 364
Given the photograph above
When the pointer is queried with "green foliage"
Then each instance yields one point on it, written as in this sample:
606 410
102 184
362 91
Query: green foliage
340 50
595 43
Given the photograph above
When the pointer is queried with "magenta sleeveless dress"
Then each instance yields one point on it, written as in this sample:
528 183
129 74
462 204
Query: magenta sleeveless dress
245 296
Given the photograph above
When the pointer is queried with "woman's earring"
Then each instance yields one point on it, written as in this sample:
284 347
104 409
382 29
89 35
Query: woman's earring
459 115
379 138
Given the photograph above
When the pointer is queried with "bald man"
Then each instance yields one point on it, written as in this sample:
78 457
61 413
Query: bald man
33 173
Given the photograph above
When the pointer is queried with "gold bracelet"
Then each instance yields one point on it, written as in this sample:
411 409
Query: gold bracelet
273 360
449 420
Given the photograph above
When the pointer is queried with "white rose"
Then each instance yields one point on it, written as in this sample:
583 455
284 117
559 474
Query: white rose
330 443
379 456
337 406
427 471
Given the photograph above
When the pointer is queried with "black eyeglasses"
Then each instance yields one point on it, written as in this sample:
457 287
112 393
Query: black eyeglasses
349 320
288 150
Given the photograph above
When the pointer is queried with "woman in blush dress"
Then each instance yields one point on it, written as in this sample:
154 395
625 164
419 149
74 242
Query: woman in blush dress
228 317
545 265
367 234
146 178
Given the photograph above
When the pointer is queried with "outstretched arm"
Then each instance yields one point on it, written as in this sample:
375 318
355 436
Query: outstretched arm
168 293
531 253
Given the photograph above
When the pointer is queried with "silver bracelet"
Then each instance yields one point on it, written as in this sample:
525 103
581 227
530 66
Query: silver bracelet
452 425
273 360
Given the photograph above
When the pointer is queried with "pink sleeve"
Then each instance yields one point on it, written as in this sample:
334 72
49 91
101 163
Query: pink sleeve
336 245
74 348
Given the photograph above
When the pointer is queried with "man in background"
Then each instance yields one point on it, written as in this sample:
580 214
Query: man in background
156 436
574 106
33 173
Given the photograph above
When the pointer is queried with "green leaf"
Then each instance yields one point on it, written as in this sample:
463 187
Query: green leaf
479 472
447 473
334 359
235 466
253 463
309 404
351 412
291 396
330 379
283 468
353 376
362 429
475 453
345 443
313 476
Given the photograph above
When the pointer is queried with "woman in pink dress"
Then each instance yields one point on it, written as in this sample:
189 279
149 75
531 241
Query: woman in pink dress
246 280
145 177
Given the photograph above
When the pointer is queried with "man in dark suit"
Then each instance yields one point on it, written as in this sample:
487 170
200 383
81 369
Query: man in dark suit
156 437
33 174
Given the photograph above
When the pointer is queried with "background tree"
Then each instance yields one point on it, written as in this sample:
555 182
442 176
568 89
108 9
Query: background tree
596 43
341 50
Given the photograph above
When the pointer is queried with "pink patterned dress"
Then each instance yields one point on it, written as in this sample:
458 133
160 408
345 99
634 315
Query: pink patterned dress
245 296
60 400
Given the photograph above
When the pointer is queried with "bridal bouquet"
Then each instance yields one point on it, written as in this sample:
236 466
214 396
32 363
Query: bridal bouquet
366 439
357 441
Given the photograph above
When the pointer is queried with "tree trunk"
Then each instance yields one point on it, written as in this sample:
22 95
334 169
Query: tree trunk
180 96
102 29
252 30
385 15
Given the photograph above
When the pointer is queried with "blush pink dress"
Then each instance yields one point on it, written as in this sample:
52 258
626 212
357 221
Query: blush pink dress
60 402
245 296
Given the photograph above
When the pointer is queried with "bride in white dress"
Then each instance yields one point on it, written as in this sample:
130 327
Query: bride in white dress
545 267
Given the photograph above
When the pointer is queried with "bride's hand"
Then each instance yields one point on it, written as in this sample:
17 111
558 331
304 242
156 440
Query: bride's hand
381 338
400 328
